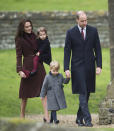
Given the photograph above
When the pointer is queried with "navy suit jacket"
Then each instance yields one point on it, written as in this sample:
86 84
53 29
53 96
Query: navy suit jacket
84 55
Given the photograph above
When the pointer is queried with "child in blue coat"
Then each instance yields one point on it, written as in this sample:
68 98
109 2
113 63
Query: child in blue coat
53 88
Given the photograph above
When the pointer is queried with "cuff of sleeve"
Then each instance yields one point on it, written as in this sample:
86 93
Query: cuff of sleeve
19 69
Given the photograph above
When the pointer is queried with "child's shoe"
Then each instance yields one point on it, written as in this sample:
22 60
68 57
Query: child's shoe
56 121
51 121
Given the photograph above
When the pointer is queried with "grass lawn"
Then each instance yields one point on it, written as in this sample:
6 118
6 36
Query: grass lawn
50 5
9 86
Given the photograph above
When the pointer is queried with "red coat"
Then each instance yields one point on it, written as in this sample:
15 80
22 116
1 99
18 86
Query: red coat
25 50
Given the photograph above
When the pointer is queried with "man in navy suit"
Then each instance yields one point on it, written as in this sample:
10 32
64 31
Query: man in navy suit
82 45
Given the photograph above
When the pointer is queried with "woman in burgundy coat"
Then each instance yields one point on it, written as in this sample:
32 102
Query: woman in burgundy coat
26 47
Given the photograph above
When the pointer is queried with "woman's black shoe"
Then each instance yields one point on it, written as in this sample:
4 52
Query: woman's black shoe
44 119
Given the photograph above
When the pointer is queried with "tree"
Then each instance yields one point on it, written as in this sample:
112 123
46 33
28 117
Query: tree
111 32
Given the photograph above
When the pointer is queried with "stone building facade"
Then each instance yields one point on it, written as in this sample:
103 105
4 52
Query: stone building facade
57 23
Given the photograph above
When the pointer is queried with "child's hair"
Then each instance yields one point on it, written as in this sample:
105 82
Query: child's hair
41 29
54 65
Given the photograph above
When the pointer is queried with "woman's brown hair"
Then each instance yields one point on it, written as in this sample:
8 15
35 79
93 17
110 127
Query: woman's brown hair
20 28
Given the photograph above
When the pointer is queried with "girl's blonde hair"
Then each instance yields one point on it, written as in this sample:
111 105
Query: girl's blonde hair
41 29
54 65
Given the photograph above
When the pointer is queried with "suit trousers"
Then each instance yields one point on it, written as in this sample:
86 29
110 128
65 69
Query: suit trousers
83 111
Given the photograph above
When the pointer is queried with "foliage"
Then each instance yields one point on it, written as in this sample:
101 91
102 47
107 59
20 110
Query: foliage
51 5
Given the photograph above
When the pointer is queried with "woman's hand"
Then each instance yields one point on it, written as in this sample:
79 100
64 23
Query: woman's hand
22 74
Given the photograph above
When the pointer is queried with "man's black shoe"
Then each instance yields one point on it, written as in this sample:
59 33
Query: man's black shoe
80 122
111 110
88 124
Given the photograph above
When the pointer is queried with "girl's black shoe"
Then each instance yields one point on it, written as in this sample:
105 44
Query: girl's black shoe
33 73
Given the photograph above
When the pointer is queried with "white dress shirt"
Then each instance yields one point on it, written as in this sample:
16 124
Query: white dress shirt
84 31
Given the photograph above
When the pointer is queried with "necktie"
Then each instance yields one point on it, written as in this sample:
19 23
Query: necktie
82 33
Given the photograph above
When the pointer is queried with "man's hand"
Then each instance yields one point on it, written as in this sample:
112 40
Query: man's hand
67 72
98 71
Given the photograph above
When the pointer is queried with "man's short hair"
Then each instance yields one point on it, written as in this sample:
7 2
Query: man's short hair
79 13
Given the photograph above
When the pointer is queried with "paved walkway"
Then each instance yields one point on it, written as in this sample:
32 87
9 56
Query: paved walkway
69 120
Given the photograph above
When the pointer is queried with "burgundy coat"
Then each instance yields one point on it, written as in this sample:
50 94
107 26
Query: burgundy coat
25 51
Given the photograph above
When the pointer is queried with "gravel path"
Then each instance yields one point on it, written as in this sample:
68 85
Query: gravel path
69 120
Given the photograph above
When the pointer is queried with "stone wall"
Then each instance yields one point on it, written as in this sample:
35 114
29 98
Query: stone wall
57 23
106 107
